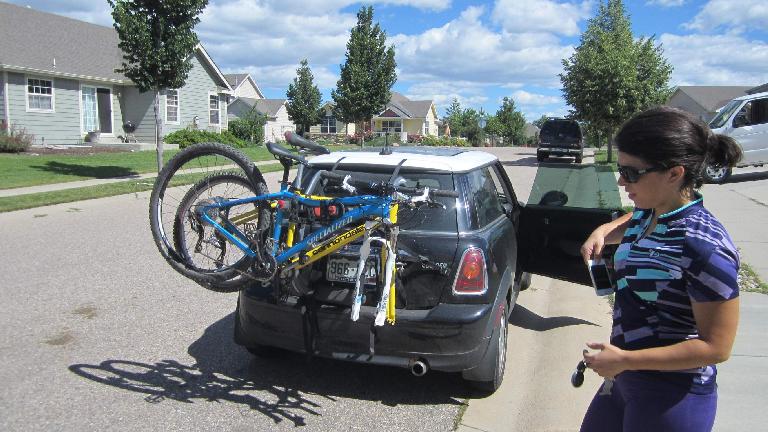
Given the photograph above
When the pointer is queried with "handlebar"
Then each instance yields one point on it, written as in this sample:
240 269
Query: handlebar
298 141
383 188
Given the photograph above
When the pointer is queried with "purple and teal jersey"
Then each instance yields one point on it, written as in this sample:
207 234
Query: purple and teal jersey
688 256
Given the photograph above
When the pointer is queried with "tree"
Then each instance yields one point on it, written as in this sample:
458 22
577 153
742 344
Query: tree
454 117
250 127
304 99
157 39
368 74
540 121
610 76
512 122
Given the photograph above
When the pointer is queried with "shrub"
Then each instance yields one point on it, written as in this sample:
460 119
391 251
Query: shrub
415 138
247 131
14 140
187 137
445 141
355 138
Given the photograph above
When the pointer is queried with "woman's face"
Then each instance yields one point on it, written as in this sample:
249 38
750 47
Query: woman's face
650 188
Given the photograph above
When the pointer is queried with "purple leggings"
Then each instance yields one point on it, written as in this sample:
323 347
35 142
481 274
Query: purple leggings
639 402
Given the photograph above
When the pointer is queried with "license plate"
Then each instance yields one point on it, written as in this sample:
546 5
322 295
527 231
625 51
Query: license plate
341 269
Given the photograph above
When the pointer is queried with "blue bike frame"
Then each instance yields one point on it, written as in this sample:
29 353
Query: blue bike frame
367 206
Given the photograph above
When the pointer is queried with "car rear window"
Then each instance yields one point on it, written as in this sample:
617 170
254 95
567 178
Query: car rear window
560 129
423 218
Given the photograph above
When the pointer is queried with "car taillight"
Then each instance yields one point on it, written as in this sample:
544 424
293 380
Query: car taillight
471 278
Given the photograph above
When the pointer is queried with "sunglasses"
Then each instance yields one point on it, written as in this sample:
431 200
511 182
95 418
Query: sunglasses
632 174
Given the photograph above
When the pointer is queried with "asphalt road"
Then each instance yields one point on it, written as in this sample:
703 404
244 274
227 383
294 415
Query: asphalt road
98 333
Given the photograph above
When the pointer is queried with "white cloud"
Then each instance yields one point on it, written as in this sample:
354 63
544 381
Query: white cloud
523 97
716 59
469 94
666 3
541 16
466 50
738 15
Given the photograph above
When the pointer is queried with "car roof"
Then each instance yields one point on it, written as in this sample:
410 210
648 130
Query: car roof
752 96
449 159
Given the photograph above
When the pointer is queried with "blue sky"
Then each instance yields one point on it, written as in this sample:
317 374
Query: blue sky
474 51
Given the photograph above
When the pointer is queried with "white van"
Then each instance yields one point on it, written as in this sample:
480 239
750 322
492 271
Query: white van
745 119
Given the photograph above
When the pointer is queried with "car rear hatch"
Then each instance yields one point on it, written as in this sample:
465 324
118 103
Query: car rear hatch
426 252
560 133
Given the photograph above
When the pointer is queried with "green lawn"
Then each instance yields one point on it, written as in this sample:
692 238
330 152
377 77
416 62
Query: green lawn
601 157
20 170
99 191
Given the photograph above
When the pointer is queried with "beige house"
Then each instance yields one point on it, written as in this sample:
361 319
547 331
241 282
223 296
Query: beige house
329 125
704 101
244 86
404 116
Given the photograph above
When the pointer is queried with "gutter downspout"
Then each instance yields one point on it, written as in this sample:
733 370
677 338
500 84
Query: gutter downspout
6 105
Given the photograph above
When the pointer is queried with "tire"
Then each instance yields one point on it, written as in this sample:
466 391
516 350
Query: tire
171 191
541 157
578 159
716 175
186 238
494 361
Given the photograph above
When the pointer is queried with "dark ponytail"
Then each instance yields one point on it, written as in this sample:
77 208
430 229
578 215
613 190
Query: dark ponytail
668 137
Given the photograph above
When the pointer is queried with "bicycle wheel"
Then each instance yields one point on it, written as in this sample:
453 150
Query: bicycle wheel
187 178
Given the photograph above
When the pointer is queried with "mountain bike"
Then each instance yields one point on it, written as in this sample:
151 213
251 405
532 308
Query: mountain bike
215 222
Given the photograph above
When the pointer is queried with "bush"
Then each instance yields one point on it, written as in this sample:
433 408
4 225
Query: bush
415 138
445 141
246 130
355 138
14 140
187 137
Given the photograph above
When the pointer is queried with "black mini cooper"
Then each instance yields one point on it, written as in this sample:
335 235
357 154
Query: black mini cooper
461 270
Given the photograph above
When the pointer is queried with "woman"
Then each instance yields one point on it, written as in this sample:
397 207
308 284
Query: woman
676 301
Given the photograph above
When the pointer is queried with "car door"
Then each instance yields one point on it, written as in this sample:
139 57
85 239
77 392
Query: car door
550 239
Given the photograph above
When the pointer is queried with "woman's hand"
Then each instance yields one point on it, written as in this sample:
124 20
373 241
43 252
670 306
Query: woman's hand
607 363
593 246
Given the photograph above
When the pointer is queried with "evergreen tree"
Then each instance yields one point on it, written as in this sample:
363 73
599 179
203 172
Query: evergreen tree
157 39
610 76
304 99
512 123
454 116
363 90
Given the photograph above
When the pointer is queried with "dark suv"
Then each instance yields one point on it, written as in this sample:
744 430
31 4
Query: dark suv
461 270
560 137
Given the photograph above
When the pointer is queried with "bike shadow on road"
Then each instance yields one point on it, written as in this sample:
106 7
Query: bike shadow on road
529 320
290 387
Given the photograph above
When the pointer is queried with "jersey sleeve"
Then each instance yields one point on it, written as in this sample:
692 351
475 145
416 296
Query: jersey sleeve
713 268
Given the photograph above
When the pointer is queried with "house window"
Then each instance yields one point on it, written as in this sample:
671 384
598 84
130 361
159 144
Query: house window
329 124
426 127
40 94
213 107
90 109
391 126
172 106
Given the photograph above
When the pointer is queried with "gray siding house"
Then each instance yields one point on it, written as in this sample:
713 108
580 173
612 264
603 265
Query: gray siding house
704 101
58 81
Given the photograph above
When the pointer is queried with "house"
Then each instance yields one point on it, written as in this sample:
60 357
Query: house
704 101
58 82
404 116
243 86
275 110
329 125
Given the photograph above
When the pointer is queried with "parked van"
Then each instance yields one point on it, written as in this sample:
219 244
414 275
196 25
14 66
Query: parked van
745 119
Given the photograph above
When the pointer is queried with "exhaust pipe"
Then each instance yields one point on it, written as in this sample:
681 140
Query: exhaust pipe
419 367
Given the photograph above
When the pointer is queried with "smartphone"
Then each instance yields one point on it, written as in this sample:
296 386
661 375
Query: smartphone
601 277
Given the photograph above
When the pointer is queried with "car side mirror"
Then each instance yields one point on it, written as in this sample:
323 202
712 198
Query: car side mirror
740 120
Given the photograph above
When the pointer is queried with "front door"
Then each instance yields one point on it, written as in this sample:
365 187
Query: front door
96 109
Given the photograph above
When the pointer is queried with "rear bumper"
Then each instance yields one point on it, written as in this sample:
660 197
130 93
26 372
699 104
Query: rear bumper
449 337
560 151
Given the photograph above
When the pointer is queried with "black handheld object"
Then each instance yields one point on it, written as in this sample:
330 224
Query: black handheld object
577 378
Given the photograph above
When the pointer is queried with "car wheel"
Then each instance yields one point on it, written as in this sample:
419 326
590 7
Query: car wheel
577 159
495 357
716 174
541 158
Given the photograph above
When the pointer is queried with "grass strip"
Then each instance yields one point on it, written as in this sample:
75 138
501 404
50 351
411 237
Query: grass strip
99 191
750 281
